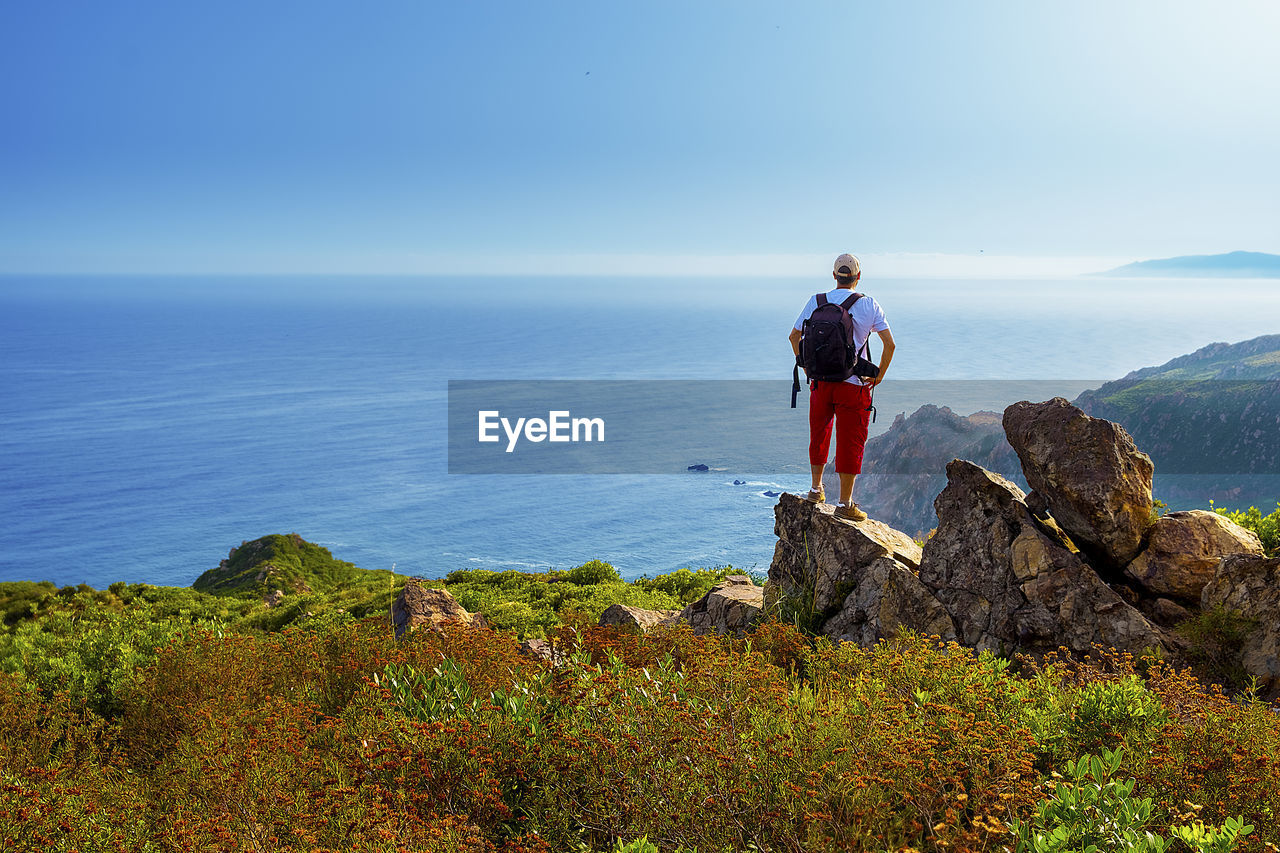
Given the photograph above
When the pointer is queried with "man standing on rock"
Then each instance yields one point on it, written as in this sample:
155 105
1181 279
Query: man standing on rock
847 402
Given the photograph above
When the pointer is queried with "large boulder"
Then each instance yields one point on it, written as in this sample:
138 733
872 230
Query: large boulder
857 580
1184 548
636 619
732 606
1008 584
1088 472
824 555
428 606
1249 586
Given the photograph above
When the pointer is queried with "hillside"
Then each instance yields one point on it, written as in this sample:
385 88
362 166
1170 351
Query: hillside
287 563
1213 412
1230 264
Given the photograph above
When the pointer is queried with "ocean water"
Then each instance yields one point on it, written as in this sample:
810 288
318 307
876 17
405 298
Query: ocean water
148 425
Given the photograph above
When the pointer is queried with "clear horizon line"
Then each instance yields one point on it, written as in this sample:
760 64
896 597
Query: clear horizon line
720 265
777 265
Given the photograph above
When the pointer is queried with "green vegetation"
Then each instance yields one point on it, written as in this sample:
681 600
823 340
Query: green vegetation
341 738
532 604
1215 636
288 563
1266 526
1093 811
153 719
88 642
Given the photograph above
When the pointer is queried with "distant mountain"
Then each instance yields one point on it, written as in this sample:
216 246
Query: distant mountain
1209 420
904 468
1230 265
1214 411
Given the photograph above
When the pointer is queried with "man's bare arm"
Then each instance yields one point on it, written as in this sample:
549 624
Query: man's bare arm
886 355
795 341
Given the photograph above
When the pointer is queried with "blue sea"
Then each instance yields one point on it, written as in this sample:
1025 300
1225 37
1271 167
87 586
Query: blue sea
150 424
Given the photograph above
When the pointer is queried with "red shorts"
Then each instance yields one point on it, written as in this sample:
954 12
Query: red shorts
848 404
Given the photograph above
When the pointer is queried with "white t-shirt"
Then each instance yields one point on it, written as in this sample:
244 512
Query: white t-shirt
866 313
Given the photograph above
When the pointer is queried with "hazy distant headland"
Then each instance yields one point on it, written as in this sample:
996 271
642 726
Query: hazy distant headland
1229 265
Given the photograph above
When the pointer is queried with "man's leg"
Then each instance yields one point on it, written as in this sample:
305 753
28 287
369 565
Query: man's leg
817 476
822 410
852 422
846 487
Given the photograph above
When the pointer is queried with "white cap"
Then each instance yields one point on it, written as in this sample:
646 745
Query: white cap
847 260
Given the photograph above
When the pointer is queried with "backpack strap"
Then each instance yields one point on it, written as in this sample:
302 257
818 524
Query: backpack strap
822 299
848 303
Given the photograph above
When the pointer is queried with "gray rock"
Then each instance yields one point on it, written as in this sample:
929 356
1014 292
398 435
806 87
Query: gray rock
540 650
731 607
1183 550
858 577
1096 483
887 597
435 608
1249 586
635 618
1169 613
820 555
1007 584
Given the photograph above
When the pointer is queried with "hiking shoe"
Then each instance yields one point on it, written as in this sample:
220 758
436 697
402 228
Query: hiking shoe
851 512
818 496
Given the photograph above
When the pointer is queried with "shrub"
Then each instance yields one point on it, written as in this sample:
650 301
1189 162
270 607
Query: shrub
593 572
1068 720
88 657
1215 636
684 585
332 735
1266 526
1092 810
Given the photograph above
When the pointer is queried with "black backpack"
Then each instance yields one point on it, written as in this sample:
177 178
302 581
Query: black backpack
827 352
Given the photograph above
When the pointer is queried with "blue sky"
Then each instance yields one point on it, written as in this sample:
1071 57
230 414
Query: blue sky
633 136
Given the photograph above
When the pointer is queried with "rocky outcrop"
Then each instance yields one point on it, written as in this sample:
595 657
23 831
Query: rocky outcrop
824 555
731 607
1210 421
1249 586
1089 474
1008 584
1183 550
636 619
432 607
855 580
1079 561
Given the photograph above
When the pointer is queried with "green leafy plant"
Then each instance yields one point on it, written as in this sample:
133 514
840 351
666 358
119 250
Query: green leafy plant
1158 509
1266 526
441 694
1100 714
1210 839
1091 811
